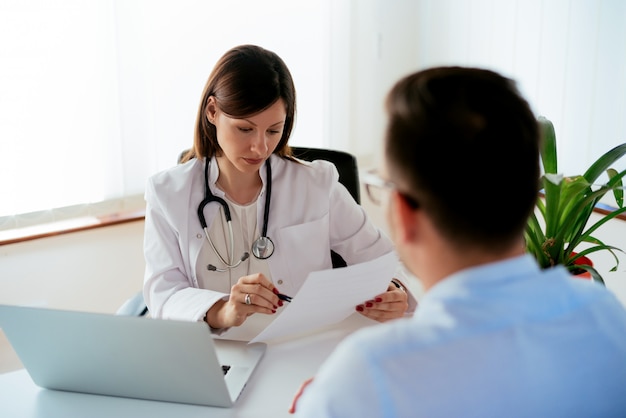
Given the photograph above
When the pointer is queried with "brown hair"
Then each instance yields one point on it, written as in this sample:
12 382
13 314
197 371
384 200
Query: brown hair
245 81
464 145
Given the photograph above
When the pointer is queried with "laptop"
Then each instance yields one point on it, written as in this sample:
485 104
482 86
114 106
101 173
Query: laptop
133 357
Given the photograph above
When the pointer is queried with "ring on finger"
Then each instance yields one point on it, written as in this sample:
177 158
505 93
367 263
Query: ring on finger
247 299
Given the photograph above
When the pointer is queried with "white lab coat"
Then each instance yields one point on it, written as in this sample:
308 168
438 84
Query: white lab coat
310 214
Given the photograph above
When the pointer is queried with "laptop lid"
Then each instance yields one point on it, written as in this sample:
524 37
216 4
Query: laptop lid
132 357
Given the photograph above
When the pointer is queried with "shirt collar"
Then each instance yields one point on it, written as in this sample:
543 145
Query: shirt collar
484 276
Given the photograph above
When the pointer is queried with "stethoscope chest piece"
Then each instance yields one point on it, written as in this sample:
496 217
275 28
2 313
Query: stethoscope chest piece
263 248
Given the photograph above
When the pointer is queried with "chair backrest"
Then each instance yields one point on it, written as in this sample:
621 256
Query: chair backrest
344 161
348 176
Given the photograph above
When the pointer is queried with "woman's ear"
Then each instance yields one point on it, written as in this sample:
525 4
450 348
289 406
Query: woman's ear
211 109
405 221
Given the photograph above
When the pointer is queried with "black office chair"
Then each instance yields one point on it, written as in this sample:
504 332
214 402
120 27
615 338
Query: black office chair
344 161
348 176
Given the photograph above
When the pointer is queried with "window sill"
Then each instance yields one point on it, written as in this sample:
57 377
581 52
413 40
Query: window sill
85 223
606 209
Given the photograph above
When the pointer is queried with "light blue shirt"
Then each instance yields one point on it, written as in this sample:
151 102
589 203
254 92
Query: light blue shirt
500 340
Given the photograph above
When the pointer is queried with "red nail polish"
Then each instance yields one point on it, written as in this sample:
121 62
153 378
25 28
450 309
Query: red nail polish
359 308
369 304
379 299
276 291
275 307
273 311
280 303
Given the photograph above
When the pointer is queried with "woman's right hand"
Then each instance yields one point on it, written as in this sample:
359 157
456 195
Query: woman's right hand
255 289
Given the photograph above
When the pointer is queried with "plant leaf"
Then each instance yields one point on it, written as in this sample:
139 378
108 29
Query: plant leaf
618 192
600 247
571 229
554 178
602 221
604 162
594 273
534 238
552 197
548 145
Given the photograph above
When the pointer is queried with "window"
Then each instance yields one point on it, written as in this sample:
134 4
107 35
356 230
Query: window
567 57
96 96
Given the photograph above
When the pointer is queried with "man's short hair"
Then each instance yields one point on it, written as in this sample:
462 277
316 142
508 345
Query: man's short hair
464 145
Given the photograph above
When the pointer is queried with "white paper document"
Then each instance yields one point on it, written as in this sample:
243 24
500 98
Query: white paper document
330 296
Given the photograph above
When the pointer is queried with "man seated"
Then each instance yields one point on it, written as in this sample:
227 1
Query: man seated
494 335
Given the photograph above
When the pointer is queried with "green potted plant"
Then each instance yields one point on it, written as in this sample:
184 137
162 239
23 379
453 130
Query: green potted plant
560 223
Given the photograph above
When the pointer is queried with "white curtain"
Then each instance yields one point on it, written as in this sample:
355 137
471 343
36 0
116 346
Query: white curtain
97 95
568 57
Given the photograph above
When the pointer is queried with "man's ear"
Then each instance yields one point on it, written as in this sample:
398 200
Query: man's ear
405 218
211 110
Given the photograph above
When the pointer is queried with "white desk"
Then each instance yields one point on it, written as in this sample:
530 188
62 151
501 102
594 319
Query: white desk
269 393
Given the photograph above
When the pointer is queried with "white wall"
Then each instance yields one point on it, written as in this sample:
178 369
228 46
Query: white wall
372 44
94 271
566 55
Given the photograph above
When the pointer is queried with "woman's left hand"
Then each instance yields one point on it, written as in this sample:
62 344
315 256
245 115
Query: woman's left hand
389 305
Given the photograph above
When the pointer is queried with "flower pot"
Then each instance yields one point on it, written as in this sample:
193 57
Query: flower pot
580 273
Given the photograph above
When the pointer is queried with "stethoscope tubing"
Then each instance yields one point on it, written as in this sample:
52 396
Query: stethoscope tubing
259 245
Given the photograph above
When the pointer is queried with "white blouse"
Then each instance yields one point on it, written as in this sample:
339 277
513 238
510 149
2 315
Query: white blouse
245 232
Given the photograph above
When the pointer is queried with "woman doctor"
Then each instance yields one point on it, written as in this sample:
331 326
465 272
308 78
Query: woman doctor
241 220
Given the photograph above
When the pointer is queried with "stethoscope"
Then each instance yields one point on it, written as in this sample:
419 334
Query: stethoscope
262 248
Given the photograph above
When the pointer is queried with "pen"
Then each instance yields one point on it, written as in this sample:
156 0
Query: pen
284 297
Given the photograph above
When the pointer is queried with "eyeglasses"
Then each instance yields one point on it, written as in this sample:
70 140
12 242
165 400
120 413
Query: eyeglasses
378 188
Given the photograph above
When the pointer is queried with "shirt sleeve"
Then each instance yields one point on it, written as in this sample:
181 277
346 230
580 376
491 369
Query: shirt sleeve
344 386
168 291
